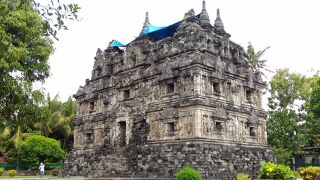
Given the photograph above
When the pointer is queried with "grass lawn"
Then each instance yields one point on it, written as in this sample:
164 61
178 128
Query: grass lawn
36 177
18 176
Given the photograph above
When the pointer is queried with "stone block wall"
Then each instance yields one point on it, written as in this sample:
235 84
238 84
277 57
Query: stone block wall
214 161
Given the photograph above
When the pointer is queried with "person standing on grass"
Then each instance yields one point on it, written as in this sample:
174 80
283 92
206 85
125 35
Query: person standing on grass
41 169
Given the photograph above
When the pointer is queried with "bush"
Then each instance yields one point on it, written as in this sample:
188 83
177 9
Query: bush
1 171
51 165
272 171
309 173
296 174
243 176
188 173
38 148
55 172
12 172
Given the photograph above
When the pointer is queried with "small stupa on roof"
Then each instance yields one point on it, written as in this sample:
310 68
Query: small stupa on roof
177 95
204 16
146 23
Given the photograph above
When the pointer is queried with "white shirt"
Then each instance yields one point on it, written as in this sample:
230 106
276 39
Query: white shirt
41 167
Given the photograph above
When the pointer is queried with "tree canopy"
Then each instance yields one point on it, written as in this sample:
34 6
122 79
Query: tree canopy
52 118
25 48
292 121
54 14
313 109
27 29
56 120
24 53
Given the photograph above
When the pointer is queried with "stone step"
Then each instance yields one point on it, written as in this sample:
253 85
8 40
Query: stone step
115 162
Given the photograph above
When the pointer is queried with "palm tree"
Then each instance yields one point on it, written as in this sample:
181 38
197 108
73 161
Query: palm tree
49 116
57 119
64 125
64 128
18 129
254 59
46 123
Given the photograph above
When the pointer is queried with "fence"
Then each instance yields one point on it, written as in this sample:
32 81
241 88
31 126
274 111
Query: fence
304 161
26 167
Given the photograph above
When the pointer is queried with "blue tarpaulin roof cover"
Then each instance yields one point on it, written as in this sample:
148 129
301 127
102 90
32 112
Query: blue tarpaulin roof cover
149 29
116 43
156 32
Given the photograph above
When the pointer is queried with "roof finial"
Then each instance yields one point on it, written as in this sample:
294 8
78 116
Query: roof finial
204 17
218 24
146 21
203 5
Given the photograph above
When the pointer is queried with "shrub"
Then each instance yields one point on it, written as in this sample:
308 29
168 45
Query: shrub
55 172
12 172
1 171
309 173
243 176
38 148
300 168
267 170
188 173
272 171
296 174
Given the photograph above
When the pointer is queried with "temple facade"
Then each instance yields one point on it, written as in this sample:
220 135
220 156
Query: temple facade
175 96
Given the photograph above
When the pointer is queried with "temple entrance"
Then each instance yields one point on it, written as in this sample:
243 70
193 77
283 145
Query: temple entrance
122 134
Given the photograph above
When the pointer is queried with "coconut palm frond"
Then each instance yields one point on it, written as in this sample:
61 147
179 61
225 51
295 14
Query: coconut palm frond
17 138
5 133
44 127
260 53
254 59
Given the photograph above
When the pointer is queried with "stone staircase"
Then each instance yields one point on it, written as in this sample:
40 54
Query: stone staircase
112 165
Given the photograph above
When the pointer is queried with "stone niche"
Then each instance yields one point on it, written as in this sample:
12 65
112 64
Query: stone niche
158 105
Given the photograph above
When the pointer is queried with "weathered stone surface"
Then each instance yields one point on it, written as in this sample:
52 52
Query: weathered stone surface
156 106
162 160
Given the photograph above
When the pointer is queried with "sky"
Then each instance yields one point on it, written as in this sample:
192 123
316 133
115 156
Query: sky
290 27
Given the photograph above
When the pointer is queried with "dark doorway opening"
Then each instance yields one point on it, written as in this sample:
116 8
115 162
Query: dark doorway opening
122 134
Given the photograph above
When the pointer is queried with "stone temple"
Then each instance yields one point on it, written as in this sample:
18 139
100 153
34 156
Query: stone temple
174 96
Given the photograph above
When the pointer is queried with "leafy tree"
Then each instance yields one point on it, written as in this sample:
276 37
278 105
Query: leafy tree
314 99
25 46
64 128
69 107
50 116
313 119
37 148
287 89
283 136
57 120
288 92
16 123
254 59
24 53
54 14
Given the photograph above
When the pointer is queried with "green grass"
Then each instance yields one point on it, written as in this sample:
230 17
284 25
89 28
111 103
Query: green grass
18 177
